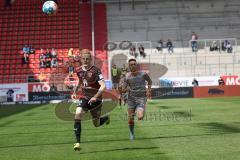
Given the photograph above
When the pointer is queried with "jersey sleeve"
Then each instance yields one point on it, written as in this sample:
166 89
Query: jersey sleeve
99 75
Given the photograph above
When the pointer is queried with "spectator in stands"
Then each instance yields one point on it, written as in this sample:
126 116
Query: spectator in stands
141 51
71 69
133 51
160 46
115 74
54 62
48 62
194 39
42 56
25 58
42 59
25 49
41 51
53 53
195 82
214 46
221 82
169 46
229 47
31 50
224 45
70 53
42 63
48 53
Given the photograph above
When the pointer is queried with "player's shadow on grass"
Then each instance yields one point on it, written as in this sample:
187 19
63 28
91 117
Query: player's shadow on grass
233 130
6 111
122 149
163 107
216 127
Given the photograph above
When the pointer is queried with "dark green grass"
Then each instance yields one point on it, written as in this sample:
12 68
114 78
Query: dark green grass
181 129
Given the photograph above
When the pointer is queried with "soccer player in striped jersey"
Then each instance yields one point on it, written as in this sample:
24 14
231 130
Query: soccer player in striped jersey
92 85
135 85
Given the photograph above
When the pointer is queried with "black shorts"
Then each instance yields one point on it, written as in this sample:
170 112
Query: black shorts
94 108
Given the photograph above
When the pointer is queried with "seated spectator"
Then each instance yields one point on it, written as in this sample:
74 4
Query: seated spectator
48 53
48 62
53 53
25 58
25 49
70 69
229 47
42 63
41 51
214 46
141 51
160 46
54 62
31 50
224 45
133 52
42 56
195 82
70 53
169 46
221 82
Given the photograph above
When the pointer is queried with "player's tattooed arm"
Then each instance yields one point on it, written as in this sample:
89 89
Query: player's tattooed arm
149 81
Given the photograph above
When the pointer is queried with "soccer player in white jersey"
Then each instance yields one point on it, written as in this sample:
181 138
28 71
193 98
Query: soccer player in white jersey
135 85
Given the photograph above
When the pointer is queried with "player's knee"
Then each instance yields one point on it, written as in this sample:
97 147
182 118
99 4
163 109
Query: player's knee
140 114
140 118
79 112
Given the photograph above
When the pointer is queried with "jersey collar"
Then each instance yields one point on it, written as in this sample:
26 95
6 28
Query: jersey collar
84 69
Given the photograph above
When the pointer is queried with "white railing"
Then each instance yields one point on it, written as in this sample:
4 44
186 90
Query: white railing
204 44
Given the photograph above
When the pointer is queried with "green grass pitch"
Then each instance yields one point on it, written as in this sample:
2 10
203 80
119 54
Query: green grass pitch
173 129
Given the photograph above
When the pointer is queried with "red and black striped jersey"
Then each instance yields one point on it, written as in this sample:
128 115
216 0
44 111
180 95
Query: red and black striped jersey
88 80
